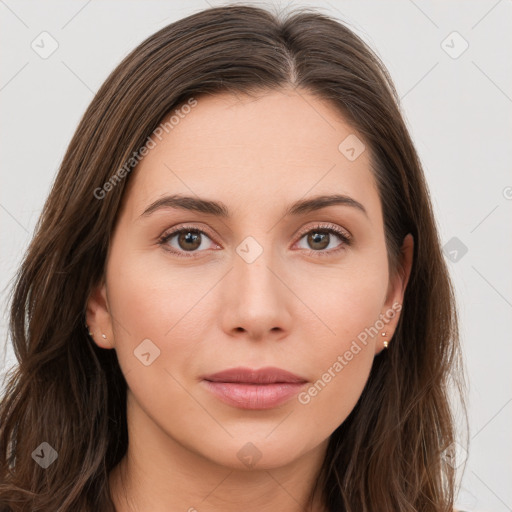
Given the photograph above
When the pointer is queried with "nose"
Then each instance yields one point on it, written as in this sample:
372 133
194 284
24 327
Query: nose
256 303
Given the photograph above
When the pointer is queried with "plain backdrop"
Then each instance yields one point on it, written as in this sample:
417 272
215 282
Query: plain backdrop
451 63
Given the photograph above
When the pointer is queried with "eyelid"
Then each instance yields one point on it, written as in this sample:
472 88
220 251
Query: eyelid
326 226
175 230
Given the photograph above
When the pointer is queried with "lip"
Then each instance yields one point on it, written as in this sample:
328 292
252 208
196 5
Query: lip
248 388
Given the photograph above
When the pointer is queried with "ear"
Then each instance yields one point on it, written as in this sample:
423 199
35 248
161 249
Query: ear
98 317
396 291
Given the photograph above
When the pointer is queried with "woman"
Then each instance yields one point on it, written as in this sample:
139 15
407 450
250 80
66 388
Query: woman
235 296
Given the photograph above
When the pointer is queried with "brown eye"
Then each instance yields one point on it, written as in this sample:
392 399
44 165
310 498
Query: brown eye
318 239
189 240
321 240
186 240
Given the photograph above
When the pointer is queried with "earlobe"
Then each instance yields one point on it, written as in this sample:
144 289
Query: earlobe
98 319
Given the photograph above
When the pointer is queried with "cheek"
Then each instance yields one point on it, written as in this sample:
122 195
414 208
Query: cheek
349 304
340 381
345 301
151 295
149 302
340 367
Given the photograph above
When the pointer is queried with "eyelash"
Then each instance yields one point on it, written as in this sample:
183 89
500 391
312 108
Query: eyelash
329 228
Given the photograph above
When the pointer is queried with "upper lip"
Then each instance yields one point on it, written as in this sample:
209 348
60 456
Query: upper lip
266 375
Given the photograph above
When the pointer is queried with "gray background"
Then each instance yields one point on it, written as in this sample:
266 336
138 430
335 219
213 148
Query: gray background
457 109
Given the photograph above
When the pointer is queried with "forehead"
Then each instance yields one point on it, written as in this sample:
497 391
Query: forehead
255 148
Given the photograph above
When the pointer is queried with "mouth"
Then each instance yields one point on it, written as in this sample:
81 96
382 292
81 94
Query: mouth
246 388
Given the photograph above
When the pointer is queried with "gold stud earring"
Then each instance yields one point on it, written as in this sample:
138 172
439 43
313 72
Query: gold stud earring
385 342
103 336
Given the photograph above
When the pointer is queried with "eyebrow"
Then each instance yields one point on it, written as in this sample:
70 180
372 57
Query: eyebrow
219 209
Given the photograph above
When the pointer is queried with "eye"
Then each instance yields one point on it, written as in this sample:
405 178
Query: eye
185 240
321 237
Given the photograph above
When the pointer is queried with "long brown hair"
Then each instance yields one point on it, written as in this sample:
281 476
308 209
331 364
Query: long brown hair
67 392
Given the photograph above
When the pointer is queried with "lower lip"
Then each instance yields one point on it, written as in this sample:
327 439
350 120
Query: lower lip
254 396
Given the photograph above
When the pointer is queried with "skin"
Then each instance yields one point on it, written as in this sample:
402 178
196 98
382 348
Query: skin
289 308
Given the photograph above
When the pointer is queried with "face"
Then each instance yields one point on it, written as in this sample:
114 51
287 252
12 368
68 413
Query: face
190 292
